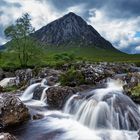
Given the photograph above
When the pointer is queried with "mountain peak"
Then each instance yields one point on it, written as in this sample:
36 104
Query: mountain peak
71 14
71 29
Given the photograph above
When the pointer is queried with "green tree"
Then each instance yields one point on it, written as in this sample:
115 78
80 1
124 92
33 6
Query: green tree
21 41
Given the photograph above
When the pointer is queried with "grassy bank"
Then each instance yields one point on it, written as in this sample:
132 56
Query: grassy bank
59 55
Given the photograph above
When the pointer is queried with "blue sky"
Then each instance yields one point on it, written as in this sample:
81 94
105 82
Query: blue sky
116 20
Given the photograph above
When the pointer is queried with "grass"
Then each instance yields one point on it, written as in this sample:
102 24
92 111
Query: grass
9 60
10 89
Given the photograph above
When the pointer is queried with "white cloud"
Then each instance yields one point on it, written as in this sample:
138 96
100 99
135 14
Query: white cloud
121 32
137 49
41 12
78 9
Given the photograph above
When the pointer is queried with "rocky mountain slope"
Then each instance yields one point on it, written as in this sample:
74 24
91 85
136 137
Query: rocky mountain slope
71 29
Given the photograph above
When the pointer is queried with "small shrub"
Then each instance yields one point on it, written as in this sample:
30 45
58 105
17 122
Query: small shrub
64 57
136 91
72 78
10 89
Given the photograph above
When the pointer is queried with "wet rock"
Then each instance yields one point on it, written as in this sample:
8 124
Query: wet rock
38 92
37 117
57 96
35 80
52 80
12 110
7 136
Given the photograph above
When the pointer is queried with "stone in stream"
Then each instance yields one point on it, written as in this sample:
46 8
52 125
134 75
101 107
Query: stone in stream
12 110
57 96
7 136
38 92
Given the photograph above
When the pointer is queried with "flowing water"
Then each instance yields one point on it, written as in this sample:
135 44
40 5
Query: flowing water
100 114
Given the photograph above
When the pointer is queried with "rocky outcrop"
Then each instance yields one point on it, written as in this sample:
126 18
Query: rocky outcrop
12 110
131 83
7 136
131 80
94 74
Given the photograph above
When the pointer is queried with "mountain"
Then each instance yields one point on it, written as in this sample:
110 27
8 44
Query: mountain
2 47
71 29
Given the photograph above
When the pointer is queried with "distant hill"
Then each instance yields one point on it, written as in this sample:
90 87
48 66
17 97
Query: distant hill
71 30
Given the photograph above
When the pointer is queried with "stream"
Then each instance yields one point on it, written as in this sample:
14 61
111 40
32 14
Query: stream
99 114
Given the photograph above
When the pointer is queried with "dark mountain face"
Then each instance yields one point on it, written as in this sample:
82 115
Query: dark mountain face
71 29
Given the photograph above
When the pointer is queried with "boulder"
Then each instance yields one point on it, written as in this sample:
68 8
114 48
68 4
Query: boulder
7 136
12 110
57 96
23 76
52 80
38 92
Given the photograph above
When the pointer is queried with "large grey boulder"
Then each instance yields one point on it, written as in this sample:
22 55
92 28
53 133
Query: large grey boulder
12 110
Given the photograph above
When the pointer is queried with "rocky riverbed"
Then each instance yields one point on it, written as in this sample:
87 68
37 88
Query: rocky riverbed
50 89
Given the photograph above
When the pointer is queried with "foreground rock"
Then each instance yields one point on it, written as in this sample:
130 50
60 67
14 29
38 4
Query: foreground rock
7 136
57 96
12 110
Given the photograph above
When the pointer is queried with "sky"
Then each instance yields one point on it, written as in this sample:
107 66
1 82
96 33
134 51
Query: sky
116 20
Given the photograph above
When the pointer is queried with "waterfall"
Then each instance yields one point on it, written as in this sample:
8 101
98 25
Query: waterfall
43 96
104 108
28 93
99 114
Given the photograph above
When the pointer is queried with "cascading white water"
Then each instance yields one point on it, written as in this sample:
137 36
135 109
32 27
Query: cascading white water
28 94
100 114
105 108
43 96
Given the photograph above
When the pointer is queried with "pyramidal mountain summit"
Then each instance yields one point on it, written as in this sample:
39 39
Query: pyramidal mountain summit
71 29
